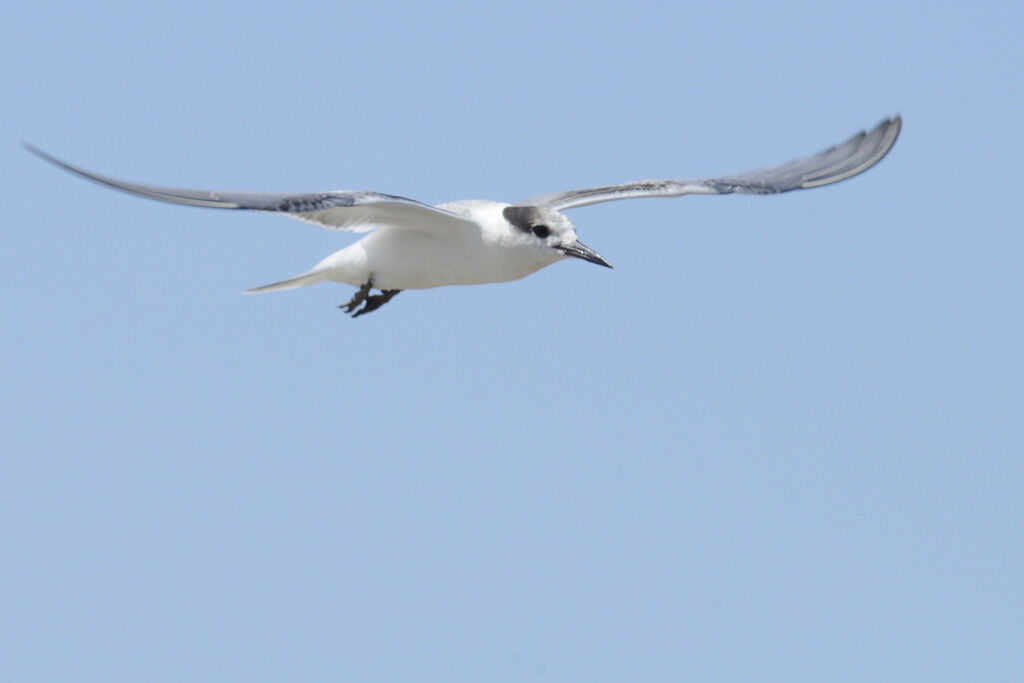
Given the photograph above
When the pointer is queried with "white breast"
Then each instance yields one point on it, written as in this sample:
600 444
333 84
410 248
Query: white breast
410 259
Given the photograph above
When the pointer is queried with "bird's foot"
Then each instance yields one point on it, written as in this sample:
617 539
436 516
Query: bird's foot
370 302
358 298
376 301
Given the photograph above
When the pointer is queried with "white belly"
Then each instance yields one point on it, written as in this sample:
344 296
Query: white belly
408 259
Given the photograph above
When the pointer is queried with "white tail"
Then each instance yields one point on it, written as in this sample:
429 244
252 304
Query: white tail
310 278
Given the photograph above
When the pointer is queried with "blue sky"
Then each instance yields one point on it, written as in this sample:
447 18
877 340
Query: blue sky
780 441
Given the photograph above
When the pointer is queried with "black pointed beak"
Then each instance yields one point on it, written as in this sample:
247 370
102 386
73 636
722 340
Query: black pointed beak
580 250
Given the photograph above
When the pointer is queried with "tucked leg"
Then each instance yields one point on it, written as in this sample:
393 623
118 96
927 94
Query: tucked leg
358 298
376 301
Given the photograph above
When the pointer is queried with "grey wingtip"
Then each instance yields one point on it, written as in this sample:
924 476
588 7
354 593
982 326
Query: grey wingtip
891 132
35 150
892 126
46 156
870 148
897 124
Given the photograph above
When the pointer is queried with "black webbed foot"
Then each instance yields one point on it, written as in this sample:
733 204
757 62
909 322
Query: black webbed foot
370 302
358 298
376 301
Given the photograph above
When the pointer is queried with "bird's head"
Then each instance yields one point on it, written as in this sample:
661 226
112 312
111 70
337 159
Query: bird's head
549 231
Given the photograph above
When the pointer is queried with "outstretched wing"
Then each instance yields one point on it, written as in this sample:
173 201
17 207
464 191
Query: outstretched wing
854 156
340 210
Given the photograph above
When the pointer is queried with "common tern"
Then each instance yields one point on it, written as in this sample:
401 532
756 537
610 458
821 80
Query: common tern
412 245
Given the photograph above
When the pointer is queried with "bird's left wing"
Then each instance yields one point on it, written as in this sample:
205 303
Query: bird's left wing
357 211
854 156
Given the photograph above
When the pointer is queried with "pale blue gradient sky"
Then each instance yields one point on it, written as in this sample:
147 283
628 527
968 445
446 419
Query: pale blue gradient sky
782 440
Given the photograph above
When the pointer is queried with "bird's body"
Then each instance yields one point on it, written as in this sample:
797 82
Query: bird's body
481 251
412 245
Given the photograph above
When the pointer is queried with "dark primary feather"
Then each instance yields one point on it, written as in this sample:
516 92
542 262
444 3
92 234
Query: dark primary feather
338 209
846 160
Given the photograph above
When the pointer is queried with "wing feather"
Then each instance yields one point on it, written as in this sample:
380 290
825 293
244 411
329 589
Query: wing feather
339 210
856 155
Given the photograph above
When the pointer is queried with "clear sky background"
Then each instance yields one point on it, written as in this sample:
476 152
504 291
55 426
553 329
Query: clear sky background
782 440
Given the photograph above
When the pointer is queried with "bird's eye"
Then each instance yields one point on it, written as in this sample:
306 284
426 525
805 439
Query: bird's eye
541 231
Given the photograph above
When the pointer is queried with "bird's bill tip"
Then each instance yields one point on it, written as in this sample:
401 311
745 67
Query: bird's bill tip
582 251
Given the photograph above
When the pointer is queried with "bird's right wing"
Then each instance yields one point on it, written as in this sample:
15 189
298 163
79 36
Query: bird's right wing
843 161
357 211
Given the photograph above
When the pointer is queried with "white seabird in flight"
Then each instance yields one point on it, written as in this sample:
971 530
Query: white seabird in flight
412 245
